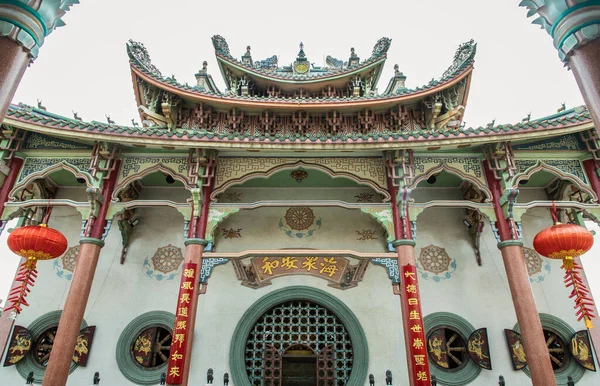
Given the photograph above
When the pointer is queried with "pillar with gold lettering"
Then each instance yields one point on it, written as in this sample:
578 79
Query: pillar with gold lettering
189 289
410 300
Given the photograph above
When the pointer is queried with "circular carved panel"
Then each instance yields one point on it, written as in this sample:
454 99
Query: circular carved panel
167 259
434 259
68 259
533 261
299 218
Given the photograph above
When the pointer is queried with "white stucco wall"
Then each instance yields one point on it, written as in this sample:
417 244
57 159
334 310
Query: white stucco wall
120 293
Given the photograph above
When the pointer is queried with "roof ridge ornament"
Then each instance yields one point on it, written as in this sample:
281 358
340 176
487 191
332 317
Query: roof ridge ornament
464 55
139 54
381 47
221 46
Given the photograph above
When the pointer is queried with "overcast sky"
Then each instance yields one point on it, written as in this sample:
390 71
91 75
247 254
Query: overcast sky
84 66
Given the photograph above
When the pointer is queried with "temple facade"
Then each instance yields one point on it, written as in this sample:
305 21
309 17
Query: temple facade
307 225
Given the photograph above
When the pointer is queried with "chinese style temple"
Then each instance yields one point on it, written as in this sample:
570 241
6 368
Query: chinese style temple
305 226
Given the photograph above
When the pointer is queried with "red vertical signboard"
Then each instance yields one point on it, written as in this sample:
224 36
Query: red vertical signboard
411 304
189 279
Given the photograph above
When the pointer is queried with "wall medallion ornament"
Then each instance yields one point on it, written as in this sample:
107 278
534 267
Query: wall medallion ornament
435 264
366 234
299 175
537 268
164 264
299 222
232 233
65 266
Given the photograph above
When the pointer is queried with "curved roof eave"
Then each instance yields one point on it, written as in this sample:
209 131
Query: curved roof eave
160 137
254 102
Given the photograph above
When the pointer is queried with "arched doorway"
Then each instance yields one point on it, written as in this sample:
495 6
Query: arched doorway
299 336
299 343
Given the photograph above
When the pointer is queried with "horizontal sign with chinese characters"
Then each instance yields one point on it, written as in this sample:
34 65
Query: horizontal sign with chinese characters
329 268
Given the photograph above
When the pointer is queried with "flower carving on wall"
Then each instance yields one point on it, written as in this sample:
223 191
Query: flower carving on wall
435 264
299 218
537 268
65 266
167 259
299 222
165 263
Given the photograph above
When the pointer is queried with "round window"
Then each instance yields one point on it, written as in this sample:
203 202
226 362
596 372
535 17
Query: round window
151 347
559 352
447 349
43 346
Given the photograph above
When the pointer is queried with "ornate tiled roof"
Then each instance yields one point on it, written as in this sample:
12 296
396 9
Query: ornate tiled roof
21 115
270 69
141 63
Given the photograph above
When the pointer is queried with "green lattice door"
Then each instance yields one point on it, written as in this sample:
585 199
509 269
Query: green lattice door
293 326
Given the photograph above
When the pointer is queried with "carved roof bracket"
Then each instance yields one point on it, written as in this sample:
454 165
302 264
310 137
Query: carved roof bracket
501 159
201 166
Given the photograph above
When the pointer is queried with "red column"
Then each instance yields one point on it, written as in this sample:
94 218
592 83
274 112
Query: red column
61 356
534 343
14 166
187 304
415 340
586 68
13 63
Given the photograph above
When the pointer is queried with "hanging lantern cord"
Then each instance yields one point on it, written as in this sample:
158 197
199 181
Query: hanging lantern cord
48 213
554 213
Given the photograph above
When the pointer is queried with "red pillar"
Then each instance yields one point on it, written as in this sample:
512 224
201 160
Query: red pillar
13 63
187 306
61 356
14 166
586 68
415 339
532 333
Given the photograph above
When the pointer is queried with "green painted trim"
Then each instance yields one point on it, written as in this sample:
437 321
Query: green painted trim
19 25
399 243
565 331
572 31
91 240
126 363
29 10
202 242
36 328
254 312
569 11
470 371
510 243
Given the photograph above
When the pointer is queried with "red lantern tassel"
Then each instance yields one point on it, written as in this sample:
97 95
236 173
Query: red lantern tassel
580 292
26 275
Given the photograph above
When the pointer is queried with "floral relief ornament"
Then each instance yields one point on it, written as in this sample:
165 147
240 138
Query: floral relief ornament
65 266
435 264
537 268
299 222
164 264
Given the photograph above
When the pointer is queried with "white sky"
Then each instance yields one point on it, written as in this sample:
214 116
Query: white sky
84 66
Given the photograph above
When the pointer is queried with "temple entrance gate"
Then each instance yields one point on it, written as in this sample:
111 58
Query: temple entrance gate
299 343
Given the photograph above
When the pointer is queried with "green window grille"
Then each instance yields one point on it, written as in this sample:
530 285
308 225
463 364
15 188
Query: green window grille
298 331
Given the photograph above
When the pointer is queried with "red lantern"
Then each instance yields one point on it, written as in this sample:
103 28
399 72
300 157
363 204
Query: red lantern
35 242
567 241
